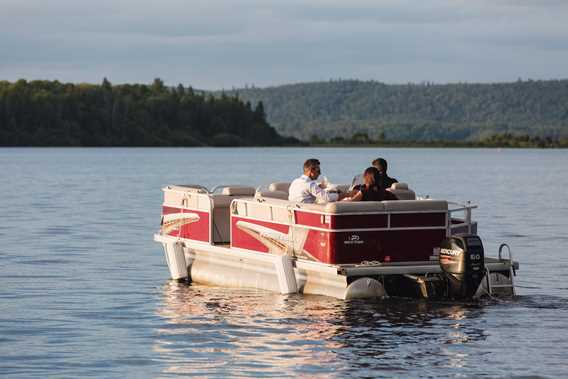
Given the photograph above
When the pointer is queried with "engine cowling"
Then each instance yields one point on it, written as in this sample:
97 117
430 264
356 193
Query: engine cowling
462 261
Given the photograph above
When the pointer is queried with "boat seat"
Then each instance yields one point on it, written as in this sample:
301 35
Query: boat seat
221 210
261 206
279 186
272 194
340 207
402 192
238 191
416 205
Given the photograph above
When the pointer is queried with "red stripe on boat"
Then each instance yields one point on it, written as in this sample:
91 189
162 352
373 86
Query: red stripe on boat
311 219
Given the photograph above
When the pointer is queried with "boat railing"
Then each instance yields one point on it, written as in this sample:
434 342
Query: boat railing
455 222
179 188
219 188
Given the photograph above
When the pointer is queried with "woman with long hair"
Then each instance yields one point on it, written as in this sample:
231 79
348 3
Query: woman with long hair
372 190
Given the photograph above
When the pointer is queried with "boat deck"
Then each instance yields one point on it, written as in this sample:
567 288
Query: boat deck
419 267
391 268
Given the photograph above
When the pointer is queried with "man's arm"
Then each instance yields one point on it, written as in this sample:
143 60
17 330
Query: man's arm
322 194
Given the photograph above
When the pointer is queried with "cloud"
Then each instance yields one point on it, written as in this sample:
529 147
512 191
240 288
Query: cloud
230 43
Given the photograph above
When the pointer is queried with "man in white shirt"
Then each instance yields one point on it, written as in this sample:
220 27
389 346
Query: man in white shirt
305 189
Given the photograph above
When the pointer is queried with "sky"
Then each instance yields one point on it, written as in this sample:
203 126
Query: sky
220 44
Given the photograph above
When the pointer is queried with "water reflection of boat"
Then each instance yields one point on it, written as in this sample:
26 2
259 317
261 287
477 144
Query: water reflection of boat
241 332
227 332
241 237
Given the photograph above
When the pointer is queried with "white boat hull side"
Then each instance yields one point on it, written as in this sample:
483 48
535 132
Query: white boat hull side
241 269
220 266
175 258
238 268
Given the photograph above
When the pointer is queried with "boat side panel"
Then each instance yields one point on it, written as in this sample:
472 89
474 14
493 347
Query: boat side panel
331 221
319 246
198 230
417 220
391 245
345 238
368 220
406 242
312 219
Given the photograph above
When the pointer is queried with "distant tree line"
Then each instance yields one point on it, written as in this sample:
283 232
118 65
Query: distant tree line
50 113
495 140
460 112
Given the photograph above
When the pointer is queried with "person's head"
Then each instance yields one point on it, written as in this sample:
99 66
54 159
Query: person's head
312 168
370 176
381 165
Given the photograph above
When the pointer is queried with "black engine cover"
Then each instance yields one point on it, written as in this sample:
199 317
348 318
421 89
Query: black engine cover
462 260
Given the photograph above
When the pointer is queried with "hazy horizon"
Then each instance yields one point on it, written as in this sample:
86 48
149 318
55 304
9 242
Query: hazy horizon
252 85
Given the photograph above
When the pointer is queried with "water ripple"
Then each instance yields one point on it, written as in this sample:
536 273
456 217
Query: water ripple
84 289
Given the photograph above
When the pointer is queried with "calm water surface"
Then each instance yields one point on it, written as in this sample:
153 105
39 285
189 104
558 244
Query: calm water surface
84 291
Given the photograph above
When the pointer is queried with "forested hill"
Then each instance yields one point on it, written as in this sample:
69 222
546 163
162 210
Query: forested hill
50 113
418 112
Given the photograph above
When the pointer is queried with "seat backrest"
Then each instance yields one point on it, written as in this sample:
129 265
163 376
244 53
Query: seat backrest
416 205
272 194
340 207
402 192
279 186
238 191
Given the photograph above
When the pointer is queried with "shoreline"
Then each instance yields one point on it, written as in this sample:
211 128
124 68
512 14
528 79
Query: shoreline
396 146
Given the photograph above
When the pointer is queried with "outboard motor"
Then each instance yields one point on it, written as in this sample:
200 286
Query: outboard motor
463 263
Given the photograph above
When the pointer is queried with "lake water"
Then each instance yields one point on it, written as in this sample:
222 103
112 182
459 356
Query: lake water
84 291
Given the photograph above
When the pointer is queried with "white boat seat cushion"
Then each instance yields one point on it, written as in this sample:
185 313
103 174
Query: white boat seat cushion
354 206
238 191
341 207
272 194
402 192
416 205
279 186
401 186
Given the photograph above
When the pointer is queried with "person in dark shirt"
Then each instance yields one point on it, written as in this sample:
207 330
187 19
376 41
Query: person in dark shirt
372 190
381 165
